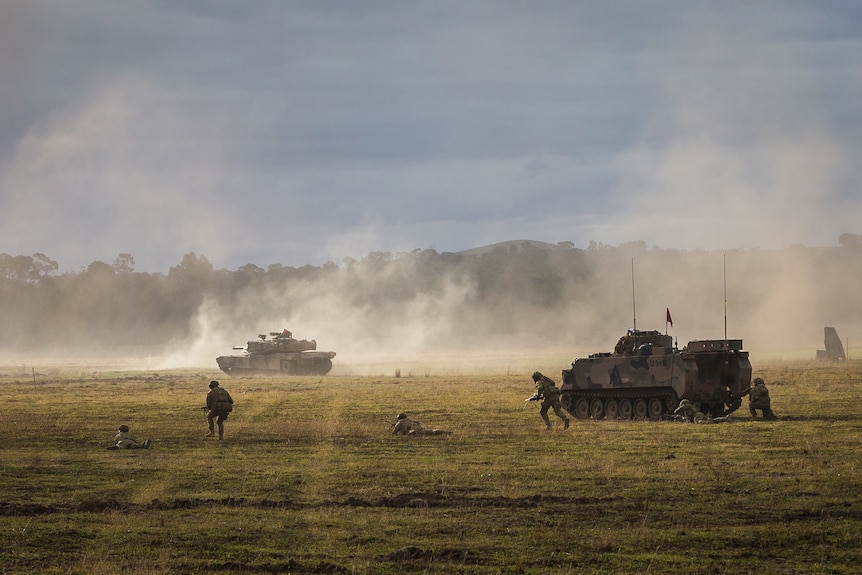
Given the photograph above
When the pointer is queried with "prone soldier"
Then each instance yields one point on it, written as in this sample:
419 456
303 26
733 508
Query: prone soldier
406 426
686 411
123 440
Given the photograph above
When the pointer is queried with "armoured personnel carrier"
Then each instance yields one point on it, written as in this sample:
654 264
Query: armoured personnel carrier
646 377
281 354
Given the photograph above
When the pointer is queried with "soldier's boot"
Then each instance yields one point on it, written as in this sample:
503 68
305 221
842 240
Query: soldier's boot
147 444
210 434
220 436
566 423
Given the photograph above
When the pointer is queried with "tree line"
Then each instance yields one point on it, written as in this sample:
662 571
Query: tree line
521 287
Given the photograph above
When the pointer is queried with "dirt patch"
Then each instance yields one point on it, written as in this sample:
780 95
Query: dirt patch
25 509
418 500
411 554
289 566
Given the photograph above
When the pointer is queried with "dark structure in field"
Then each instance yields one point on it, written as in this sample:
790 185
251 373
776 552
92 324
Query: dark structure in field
646 376
279 355
834 348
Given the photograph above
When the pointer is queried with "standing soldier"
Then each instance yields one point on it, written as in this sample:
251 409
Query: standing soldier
219 406
547 391
758 398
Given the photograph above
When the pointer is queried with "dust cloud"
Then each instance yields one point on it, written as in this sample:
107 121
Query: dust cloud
381 319
777 302
734 157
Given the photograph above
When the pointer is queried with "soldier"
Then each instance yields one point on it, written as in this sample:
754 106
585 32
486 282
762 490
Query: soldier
758 398
406 426
123 440
720 419
219 406
547 391
686 411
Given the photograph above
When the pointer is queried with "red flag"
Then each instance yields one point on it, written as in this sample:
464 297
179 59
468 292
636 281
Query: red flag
668 319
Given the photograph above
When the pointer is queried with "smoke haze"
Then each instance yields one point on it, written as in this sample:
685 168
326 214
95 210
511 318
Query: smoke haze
777 302
501 308
302 133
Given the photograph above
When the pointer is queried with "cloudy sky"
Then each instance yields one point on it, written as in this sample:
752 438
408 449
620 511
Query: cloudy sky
299 132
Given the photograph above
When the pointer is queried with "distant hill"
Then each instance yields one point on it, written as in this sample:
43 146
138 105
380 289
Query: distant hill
509 245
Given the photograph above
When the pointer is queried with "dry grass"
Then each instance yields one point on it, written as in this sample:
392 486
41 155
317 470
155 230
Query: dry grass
310 479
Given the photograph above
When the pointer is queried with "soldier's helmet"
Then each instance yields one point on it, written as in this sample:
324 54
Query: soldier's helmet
537 375
402 416
758 381
213 384
124 428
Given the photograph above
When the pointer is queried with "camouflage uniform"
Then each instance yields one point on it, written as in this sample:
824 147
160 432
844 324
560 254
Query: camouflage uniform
758 398
219 406
407 426
721 419
686 411
123 440
547 391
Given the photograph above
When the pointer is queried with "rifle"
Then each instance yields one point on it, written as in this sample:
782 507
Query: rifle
534 397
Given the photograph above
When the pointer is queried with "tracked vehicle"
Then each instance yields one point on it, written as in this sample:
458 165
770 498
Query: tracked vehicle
646 376
281 354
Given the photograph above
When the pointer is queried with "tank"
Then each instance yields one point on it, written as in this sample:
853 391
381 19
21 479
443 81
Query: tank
280 354
646 376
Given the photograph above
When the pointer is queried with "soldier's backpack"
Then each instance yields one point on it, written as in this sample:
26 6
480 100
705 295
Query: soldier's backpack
222 401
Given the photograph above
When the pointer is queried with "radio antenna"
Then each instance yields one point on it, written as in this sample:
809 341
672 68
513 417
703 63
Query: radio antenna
725 297
634 309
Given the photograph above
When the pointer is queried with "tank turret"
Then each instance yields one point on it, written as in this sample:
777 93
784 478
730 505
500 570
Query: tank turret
280 354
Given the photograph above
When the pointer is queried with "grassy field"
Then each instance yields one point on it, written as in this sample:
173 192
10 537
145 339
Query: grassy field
309 479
